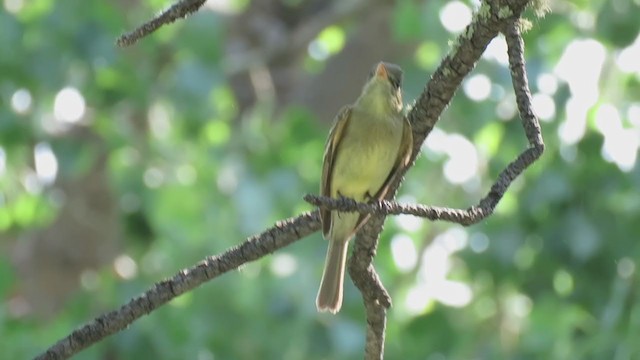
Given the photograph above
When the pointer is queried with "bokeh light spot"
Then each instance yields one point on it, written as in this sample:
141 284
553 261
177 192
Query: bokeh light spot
455 16
497 51
153 177
620 145
463 161
13 6
547 83
89 280
330 41
159 120
125 267
284 265
69 105
404 253
427 55
21 101
217 132
563 283
627 59
46 163
478 242
477 87
507 108
544 107
626 267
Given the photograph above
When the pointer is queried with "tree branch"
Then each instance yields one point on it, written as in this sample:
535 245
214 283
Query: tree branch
177 11
282 234
385 207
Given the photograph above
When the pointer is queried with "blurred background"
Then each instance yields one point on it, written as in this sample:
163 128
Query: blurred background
119 167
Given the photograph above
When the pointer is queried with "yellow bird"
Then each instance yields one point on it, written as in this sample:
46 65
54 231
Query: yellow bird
369 143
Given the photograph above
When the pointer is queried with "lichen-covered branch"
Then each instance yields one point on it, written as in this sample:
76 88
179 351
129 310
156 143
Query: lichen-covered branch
282 234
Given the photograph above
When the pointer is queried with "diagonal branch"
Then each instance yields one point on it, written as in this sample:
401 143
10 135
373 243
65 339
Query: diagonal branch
177 11
282 234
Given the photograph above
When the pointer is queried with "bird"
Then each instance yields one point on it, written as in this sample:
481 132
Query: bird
369 144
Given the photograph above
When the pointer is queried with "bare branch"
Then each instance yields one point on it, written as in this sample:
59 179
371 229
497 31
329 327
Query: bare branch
282 234
376 300
386 207
521 84
177 11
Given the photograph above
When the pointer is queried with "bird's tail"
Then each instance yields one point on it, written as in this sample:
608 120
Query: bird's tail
330 293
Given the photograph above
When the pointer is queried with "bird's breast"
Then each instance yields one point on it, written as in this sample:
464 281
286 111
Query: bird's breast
366 156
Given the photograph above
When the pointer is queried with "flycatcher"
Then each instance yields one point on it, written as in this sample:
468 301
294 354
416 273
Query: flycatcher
369 143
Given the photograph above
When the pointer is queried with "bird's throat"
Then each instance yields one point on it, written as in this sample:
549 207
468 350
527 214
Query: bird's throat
377 100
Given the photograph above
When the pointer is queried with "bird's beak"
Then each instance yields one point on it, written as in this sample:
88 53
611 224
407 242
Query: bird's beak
381 71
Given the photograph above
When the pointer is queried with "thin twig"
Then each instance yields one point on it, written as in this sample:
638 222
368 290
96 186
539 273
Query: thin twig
282 234
177 11
520 83
386 207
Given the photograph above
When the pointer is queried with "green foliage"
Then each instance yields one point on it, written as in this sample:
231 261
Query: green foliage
551 275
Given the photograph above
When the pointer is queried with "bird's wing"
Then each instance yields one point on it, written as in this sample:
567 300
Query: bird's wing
335 137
